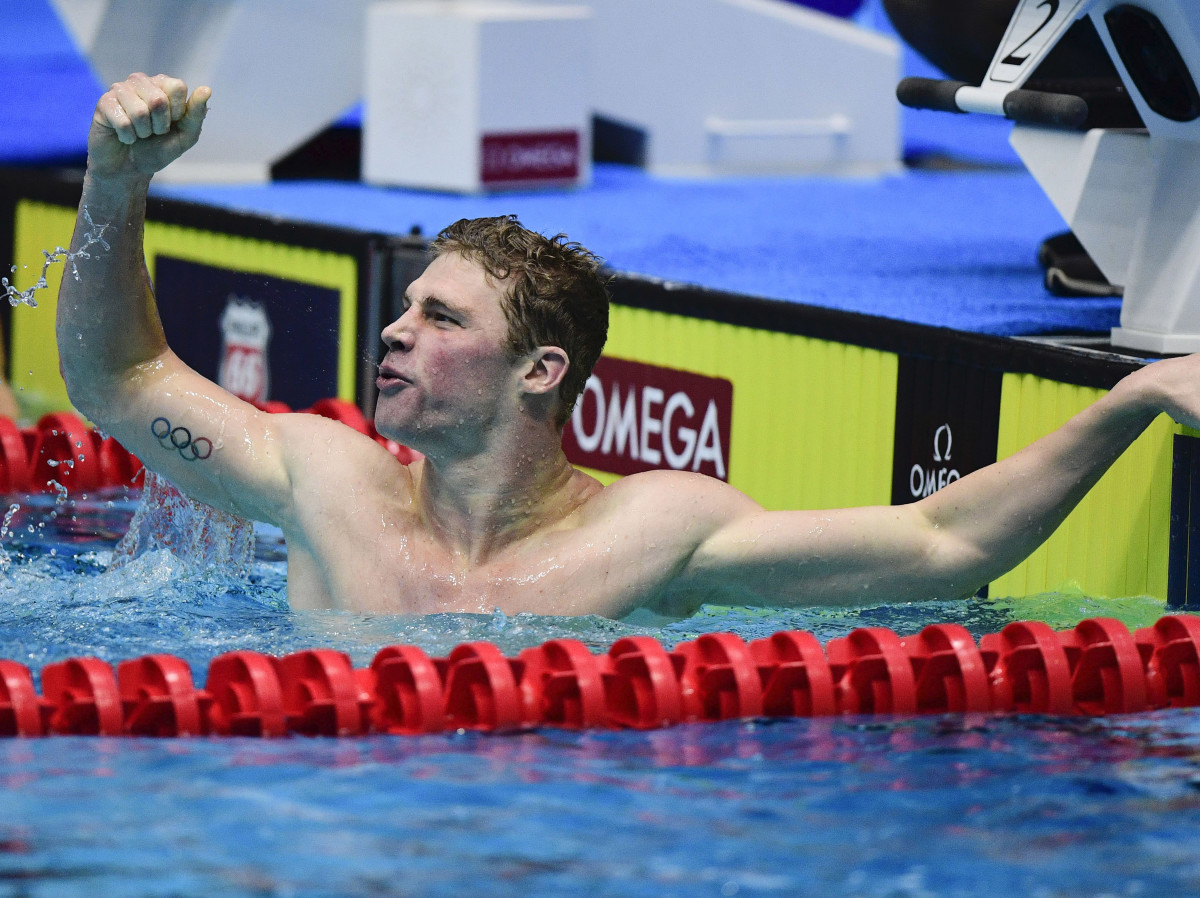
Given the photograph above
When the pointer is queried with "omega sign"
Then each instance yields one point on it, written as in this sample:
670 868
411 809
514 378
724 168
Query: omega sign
635 417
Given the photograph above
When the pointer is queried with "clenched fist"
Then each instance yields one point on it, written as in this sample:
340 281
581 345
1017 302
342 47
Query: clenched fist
143 124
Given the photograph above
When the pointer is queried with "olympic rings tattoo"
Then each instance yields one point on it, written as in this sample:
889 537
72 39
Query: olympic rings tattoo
181 440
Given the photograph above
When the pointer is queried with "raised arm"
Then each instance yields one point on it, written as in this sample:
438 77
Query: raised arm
118 368
955 540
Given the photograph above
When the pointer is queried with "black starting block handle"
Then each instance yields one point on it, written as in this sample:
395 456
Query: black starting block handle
1029 107
929 93
1036 107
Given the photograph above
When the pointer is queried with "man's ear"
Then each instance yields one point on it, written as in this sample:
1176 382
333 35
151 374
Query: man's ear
546 369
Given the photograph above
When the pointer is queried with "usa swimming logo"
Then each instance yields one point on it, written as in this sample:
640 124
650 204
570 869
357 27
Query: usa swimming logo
636 417
245 333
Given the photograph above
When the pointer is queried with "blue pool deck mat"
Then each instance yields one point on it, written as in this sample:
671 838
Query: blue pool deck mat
955 250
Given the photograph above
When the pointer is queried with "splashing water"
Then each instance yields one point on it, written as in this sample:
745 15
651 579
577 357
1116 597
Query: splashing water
5 529
94 236
60 491
200 536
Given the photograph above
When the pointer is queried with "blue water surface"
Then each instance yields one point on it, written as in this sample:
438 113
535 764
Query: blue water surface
855 806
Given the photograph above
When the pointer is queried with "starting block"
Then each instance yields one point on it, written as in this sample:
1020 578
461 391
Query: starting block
731 87
1131 196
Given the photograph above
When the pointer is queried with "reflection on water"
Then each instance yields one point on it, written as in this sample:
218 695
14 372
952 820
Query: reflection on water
884 808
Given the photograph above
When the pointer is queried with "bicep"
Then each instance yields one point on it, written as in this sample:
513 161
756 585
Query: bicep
212 445
827 557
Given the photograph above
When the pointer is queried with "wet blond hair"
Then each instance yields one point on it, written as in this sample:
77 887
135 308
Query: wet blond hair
557 295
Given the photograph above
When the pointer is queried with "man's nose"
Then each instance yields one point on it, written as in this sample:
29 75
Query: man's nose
398 334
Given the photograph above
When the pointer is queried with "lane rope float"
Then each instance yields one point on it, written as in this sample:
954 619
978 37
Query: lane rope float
1099 667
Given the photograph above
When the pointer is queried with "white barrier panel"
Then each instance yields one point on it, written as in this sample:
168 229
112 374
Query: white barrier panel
732 86
280 70
474 96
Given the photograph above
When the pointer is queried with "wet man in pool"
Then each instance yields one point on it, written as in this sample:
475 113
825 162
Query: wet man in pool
495 342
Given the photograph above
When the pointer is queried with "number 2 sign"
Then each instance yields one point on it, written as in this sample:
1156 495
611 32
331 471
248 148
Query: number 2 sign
1034 28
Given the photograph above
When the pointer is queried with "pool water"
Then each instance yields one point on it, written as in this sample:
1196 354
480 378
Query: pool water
852 806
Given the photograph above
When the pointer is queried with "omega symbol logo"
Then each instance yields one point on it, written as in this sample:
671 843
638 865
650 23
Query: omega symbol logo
938 455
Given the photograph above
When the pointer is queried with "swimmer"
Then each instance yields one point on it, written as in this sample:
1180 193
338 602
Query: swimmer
494 343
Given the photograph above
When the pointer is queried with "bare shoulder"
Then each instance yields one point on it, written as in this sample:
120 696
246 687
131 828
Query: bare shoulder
673 498
650 526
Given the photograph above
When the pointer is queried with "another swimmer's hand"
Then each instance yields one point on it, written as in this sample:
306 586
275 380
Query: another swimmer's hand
143 124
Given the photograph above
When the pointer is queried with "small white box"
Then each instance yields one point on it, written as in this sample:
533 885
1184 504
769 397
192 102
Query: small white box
476 96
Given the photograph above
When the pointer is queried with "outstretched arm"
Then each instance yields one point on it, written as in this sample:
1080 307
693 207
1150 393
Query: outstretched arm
955 540
118 368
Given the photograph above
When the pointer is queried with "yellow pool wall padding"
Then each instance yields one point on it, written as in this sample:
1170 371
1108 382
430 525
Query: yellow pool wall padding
1115 543
813 420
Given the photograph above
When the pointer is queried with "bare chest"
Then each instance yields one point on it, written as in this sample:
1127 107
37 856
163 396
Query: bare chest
393 566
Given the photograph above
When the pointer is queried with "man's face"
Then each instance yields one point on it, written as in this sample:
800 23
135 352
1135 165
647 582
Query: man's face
446 374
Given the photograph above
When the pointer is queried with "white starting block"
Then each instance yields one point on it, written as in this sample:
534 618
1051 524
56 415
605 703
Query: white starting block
475 96
280 70
1131 197
747 86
